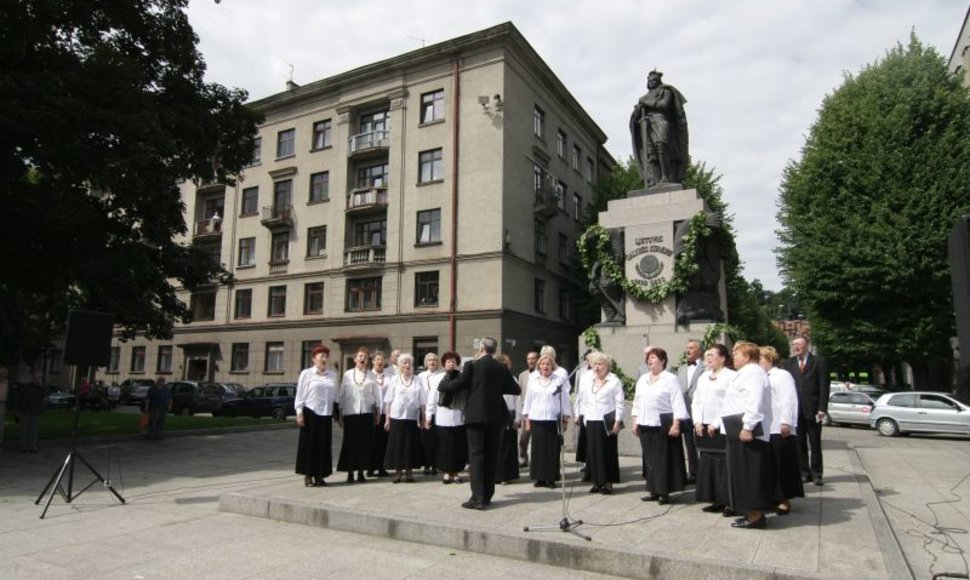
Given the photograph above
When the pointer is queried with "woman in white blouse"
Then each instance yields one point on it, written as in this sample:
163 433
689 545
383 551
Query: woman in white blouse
600 406
784 425
360 401
658 409
747 401
712 485
316 393
431 374
546 404
404 405
382 377
448 412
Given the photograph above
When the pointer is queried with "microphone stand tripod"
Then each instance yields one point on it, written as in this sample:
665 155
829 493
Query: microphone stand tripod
565 524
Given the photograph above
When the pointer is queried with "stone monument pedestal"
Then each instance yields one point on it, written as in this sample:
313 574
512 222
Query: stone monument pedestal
649 220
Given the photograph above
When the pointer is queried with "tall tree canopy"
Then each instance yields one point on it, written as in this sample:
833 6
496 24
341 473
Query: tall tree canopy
865 212
104 111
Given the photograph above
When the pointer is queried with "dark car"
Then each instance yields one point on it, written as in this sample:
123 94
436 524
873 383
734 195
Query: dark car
232 390
190 397
273 400
133 391
59 398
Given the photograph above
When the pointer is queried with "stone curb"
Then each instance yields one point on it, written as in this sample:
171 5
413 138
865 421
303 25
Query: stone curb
99 439
577 556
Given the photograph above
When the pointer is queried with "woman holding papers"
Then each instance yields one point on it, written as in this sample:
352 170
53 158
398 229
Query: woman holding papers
712 483
546 403
600 405
784 425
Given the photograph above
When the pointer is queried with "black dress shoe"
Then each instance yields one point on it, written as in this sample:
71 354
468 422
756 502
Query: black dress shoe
817 480
596 489
651 497
783 511
539 484
360 477
663 500
757 524
728 512
713 508
472 505
606 490
350 477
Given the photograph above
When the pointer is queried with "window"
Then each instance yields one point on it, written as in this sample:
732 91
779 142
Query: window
430 166
577 155
540 295
426 289
561 144
936 402
313 298
306 353
244 303
203 306
907 400
588 174
372 176
250 201
240 356
280 248
164 364
561 195
320 186
379 121
257 151
577 207
429 226
137 359
316 242
372 234
282 196
563 249
421 346
285 143
537 178
538 122
277 301
114 363
432 107
565 312
247 252
322 134
364 294
274 357
540 237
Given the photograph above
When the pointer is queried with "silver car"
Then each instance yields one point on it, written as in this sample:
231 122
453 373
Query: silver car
920 411
849 407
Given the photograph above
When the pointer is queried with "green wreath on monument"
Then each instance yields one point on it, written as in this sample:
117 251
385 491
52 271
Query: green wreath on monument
685 265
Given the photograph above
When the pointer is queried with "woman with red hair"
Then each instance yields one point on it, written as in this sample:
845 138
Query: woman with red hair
316 395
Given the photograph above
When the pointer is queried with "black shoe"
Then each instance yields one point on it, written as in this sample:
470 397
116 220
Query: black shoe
350 477
606 490
596 489
663 500
651 497
524 463
371 473
691 480
758 524
472 505
319 483
360 477
807 477
783 511
728 512
817 480
713 508
552 484
539 484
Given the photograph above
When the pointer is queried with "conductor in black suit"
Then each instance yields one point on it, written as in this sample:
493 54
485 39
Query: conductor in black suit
812 381
486 380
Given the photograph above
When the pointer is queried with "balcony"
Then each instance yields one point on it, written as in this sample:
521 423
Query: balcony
360 257
277 216
546 203
205 229
372 142
363 200
277 267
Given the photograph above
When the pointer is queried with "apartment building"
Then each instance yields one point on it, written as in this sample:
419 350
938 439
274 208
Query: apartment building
416 203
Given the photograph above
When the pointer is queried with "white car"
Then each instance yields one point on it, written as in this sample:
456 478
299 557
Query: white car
920 411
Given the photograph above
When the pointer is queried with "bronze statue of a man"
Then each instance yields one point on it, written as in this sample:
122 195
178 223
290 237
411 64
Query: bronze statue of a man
659 130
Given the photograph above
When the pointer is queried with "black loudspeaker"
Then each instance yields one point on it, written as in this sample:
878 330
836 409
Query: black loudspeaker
960 276
88 341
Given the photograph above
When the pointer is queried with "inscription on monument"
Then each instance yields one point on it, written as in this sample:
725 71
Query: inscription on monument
649 258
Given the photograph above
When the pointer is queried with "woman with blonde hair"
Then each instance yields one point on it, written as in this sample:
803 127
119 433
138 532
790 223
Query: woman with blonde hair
546 404
382 377
784 428
404 405
600 406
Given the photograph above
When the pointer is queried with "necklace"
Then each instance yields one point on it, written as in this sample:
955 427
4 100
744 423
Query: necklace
407 383
363 377
602 383
713 376
544 381
652 378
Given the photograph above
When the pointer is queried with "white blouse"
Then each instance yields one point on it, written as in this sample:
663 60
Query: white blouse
316 391
709 397
594 401
444 416
784 401
663 395
382 380
541 402
514 403
749 393
405 400
358 393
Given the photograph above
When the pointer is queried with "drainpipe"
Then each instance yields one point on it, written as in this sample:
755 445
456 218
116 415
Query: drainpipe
456 110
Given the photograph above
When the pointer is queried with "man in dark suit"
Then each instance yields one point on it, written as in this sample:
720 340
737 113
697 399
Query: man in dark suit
687 376
486 380
812 381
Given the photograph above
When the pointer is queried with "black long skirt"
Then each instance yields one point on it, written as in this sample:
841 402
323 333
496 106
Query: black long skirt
355 450
664 459
452 447
429 441
581 443
602 457
750 475
314 456
546 446
379 446
507 467
403 445
788 480
712 482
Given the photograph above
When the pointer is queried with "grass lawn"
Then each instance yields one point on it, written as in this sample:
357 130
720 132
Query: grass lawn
56 424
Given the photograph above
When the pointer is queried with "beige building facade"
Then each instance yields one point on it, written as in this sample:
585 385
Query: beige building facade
416 203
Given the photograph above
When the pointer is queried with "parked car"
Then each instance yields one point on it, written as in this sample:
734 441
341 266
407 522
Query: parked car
59 398
191 397
232 390
273 400
920 411
133 391
849 407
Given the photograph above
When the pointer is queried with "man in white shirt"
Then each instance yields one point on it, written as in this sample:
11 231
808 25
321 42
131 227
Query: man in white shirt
688 374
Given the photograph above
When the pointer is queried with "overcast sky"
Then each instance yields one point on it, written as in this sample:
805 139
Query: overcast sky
754 72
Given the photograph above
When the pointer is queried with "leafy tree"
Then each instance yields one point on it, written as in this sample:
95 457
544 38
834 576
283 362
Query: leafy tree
866 211
105 111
